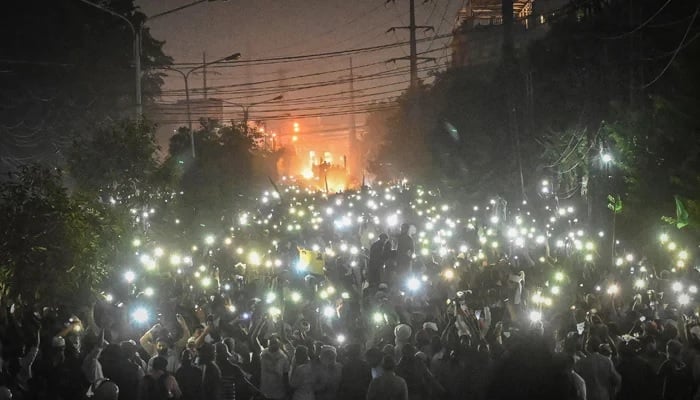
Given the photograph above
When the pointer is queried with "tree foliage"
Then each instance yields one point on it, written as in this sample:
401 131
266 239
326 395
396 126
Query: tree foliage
230 164
66 67
118 162
54 248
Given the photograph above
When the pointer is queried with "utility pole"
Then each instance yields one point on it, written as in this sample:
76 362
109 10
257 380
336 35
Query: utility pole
354 151
204 73
413 57
510 70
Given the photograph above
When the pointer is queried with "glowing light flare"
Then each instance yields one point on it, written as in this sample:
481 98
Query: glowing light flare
683 299
413 284
613 289
535 316
129 276
140 315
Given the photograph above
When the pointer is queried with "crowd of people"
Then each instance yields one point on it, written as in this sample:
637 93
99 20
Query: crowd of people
378 323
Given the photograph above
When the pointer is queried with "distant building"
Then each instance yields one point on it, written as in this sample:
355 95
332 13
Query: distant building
477 38
169 117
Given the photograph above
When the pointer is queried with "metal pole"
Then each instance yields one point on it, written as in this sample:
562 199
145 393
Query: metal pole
414 52
204 73
137 63
189 115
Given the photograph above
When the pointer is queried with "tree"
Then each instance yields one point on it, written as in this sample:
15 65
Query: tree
119 163
67 67
230 165
54 248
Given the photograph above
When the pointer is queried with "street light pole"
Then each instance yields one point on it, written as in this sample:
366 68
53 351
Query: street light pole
186 76
137 52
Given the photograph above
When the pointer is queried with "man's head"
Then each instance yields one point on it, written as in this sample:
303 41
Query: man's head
207 353
187 357
383 237
388 363
160 364
222 352
162 346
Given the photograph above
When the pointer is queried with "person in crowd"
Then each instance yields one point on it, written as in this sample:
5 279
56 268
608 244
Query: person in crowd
416 374
274 371
189 376
234 384
156 342
159 384
376 260
328 374
598 371
388 386
676 376
211 374
404 249
355 374
301 377
637 376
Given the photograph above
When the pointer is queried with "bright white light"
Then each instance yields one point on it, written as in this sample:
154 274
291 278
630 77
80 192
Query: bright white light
341 339
629 257
539 239
136 242
413 284
271 297
209 240
613 289
254 258
378 318
672 246
619 261
149 291
677 286
494 219
140 315
559 276
274 312
296 297
449 274
329 312
535 316
228 241
683 299
129 276
606 157
556 290
663 237
640 284
231 308
175 259
683 255
158 252
227 287
206 281
109 297
392 220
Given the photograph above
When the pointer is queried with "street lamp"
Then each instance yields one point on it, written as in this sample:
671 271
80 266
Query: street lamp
138 33
186 76
246 107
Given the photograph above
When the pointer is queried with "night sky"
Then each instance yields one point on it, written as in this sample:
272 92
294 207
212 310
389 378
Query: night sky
263 29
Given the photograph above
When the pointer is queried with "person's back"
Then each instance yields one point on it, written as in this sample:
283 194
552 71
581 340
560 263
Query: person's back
273 368
637 377
388 386
600 376
355 376
675 374
189 377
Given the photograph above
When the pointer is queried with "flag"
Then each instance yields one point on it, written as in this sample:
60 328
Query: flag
615 204
311 261
681 213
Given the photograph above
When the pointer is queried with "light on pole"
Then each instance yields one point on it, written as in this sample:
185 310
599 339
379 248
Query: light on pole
137 34
185 77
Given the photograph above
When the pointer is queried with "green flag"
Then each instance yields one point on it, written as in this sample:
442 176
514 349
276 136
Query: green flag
681 213
615 204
